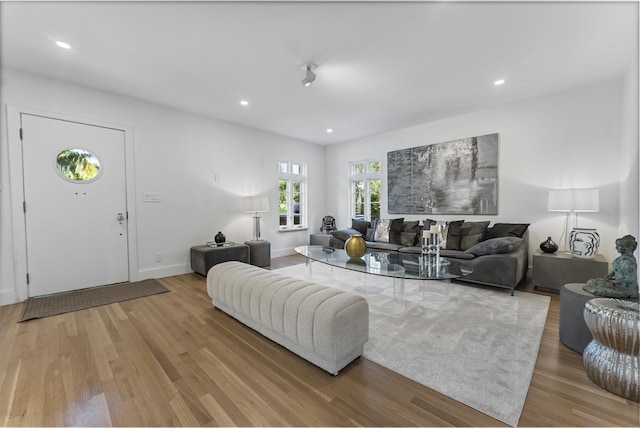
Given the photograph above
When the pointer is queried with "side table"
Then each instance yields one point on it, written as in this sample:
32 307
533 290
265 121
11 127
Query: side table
259 252
552 270
203 257
574 332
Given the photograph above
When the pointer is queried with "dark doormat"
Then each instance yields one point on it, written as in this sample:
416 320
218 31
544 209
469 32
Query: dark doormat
40 307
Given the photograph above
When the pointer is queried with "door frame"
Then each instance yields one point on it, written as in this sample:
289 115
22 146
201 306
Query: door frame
16 190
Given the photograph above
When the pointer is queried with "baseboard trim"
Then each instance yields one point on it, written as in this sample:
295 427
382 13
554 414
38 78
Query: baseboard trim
282 252
164 271
7 297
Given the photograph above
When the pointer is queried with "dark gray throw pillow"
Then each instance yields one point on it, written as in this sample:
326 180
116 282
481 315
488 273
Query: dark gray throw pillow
344 234
506 229
360 225
471 233
506 244
453 234
407 238
395 230
370 236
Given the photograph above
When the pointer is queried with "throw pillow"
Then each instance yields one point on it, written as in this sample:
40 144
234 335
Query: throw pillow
412 227
371 234
407 238
471 233
382 230
343 234
502 245
506 229
360 225
452 240
395 229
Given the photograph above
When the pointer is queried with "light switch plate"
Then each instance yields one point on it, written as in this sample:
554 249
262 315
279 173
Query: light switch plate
152 197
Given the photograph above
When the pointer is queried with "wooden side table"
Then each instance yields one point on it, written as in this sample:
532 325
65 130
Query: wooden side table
552 270
203 257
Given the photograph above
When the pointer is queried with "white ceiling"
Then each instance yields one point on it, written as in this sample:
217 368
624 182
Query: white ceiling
381 66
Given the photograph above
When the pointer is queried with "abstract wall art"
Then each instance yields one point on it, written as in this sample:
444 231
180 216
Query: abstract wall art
456 177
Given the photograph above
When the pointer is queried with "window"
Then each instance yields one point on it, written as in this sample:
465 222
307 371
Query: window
77 165
293 195
365 189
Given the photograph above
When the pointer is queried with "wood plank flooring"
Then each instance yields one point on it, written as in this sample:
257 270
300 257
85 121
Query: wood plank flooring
174 360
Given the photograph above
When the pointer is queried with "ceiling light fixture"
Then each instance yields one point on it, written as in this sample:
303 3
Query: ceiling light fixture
244 103
63 45
329 130
499 82
310 75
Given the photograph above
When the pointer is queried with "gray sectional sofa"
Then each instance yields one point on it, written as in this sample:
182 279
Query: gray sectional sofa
498 254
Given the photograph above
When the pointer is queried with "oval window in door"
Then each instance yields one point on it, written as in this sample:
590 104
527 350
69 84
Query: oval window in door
78 165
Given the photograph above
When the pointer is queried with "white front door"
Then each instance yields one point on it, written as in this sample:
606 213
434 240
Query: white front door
76 227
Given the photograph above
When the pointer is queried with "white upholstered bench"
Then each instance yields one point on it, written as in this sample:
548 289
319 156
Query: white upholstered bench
324 325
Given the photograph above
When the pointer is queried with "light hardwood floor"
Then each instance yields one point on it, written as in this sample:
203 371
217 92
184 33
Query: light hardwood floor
174 360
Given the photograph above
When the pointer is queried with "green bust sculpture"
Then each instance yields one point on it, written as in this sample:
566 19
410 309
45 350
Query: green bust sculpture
623 281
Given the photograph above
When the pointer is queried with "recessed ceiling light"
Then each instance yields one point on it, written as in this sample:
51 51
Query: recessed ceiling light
244 103
499 82
63 45
329 130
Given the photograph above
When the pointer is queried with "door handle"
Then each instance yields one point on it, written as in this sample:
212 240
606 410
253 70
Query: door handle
120 217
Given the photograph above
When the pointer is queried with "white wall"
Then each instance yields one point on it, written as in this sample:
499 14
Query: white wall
629 170
569 139
180 155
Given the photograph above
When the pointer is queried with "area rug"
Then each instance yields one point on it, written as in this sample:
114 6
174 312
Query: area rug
477 345
46 306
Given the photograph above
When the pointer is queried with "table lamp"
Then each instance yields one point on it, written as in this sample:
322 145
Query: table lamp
256 204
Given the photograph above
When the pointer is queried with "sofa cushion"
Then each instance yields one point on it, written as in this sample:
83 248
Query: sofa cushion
360 225
343 234
503 245
452 233
370 236
385 246
456 254
396 228
411 227
382 230
506 229
388 230
407 238
471 233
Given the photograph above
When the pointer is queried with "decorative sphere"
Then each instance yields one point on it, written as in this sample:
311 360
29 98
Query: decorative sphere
355 246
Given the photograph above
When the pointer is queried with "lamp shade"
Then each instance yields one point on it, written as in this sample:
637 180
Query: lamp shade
574 200
256 204
586 200
560 200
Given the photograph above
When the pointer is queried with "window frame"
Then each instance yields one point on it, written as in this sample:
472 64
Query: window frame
366 177
290 177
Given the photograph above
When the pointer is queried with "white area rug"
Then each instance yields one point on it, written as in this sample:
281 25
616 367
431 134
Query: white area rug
477 345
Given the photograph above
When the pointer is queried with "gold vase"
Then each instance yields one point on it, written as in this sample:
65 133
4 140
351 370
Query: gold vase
355 246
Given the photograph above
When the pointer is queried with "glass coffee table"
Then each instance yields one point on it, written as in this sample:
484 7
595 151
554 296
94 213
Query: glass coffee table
399 266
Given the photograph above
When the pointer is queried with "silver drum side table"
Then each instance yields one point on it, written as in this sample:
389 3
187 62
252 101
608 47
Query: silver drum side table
611 358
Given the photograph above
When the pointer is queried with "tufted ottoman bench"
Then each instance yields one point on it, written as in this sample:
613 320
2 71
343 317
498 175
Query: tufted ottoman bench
323 325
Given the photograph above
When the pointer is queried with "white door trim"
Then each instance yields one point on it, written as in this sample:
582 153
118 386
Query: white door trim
16 190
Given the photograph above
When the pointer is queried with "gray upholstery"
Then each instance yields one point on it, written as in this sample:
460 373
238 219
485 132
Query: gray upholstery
505 270
324 325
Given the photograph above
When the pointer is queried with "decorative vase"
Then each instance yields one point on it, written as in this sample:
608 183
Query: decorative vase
355 246
584 243
549 246
220 238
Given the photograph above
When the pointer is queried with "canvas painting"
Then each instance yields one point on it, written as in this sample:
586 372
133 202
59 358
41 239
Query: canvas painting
456 177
